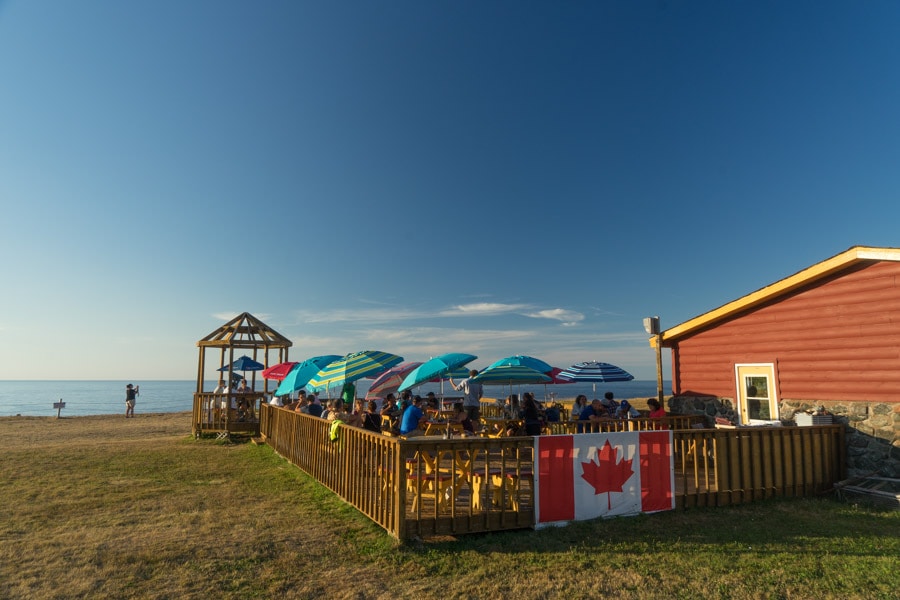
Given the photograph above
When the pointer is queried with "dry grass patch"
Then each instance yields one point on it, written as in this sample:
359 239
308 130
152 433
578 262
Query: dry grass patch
104 507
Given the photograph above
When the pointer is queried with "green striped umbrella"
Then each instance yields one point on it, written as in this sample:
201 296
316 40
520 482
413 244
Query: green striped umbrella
510 374
352 367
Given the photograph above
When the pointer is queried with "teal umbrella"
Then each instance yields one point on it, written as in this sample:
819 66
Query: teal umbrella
435 368
301 373
353 366
524 361
509 375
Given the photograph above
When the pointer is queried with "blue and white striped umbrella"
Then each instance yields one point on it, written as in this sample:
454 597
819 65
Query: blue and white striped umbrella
594 372
352 367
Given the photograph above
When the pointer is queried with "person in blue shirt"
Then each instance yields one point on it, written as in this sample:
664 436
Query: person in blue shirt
591 413
413 420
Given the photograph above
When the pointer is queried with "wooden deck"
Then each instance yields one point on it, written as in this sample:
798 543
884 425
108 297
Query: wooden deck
429 486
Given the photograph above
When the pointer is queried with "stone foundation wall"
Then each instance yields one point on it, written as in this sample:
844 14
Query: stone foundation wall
872 428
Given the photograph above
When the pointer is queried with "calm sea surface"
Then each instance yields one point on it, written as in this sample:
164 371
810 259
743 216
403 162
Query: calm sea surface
36 398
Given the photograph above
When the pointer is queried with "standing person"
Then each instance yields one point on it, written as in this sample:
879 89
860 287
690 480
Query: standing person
531 414
131 394
348 395
473 394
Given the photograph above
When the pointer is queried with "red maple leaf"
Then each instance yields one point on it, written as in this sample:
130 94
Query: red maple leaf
606 475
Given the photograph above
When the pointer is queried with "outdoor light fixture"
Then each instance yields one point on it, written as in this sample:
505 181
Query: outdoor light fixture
651 326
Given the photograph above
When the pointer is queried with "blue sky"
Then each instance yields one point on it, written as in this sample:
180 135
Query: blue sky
424 177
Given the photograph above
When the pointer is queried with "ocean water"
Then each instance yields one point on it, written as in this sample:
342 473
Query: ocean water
36 398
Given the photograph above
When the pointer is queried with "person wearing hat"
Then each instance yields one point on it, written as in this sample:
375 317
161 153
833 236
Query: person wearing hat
131 392
610 405
627 411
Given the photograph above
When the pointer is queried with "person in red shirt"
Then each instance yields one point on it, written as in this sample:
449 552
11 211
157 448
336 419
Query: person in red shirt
656 411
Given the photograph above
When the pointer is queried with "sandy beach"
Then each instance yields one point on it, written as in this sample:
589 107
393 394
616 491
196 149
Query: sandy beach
66 432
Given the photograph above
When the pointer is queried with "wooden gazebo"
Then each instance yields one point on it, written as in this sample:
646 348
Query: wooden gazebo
224 414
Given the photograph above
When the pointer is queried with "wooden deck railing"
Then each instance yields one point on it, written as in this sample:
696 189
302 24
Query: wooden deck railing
212 413
430 485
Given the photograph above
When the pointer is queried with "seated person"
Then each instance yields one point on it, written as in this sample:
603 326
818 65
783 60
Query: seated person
243 388
610 405
657 412
592 413
355 418
389 407
413 421
314 407
243 409
462 417
627 411
371 420
512 410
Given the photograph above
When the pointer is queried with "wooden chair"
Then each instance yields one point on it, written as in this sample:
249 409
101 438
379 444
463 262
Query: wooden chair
479 482
510 483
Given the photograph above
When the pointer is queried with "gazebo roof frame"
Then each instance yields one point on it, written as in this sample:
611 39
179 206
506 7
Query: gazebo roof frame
245 331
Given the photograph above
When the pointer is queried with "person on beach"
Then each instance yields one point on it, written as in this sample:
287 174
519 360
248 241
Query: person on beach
473 393
131 393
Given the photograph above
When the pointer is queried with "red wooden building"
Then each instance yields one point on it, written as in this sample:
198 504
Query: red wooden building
827 336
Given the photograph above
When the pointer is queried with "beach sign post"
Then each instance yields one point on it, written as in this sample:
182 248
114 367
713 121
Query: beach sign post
59 406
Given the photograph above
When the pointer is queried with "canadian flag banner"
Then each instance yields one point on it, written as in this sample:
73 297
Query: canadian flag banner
592 475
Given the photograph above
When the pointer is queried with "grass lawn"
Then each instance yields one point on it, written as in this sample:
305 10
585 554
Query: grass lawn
104 507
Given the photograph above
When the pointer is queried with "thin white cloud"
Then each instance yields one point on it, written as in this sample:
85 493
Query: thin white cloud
568 318
373 315
482 309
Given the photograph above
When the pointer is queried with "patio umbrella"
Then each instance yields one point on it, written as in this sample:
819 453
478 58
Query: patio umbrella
525 361
301 373
510 374
244 363
352 367
279 371
389 381
436 368
595 372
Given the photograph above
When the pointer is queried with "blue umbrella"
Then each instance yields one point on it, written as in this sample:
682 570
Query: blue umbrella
244 363
524 361
595 372
301 373
436 368
354 366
